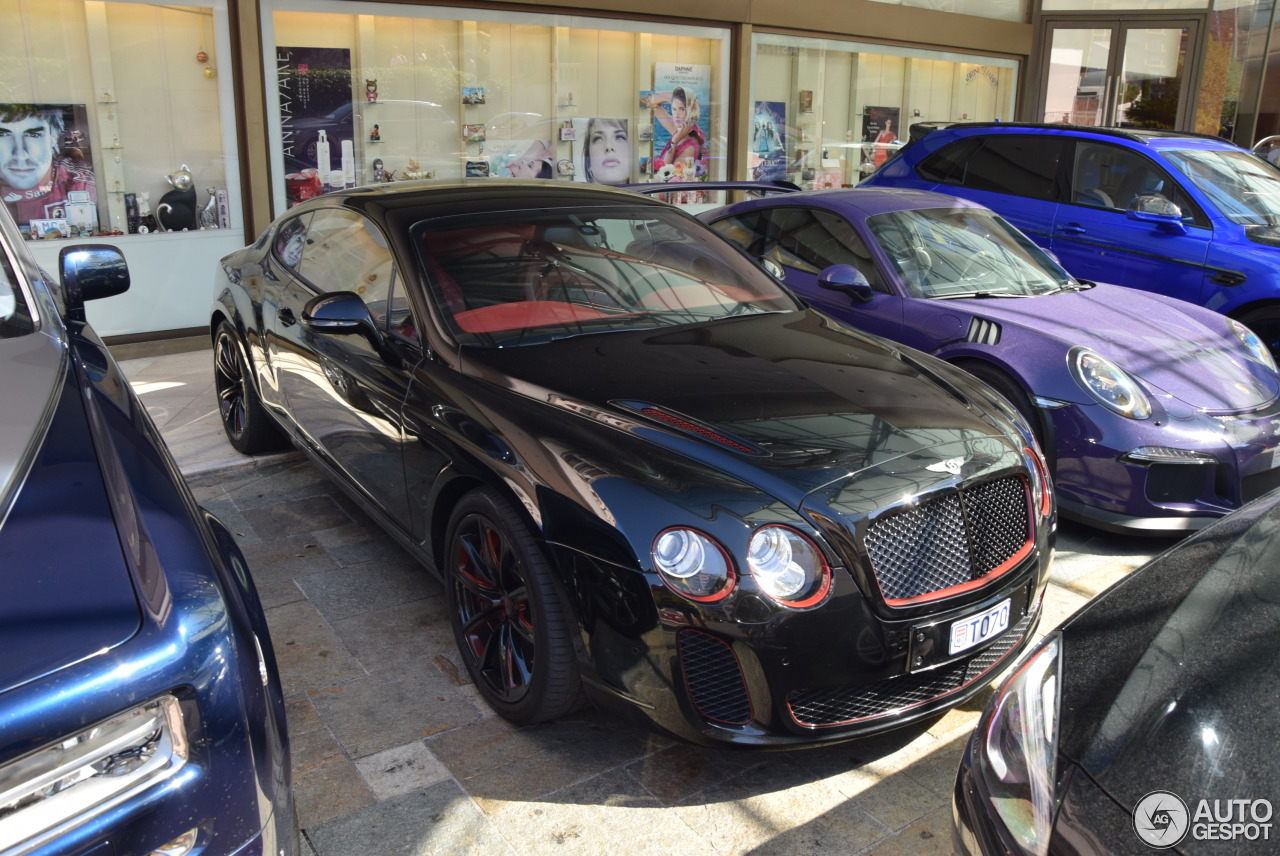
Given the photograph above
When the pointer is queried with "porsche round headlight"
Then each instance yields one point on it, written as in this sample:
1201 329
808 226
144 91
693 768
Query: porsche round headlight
788 567
1017 750
1108 383
1253 343
693 565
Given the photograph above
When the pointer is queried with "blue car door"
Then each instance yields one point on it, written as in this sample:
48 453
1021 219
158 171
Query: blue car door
797 243
1095 239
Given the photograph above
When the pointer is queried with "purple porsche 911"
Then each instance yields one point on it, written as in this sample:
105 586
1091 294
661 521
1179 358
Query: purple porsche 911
1156 415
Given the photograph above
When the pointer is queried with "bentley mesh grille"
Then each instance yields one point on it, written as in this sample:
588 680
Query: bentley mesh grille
951 540
827 707
713 678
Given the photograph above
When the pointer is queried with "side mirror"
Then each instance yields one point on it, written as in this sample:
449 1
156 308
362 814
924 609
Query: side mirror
1159 211
90 272
848 279
341 313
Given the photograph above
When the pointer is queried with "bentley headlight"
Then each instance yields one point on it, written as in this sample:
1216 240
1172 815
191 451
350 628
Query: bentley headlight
693 565
788 567
1250 340
1018 747
1108 383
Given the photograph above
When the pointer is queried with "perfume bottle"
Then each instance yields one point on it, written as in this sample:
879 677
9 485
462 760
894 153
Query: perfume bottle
323 162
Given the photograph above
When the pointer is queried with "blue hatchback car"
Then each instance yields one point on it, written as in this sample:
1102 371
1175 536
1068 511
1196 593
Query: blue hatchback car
140 707
1191 217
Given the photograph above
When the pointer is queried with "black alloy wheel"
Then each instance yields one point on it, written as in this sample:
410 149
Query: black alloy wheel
248 426
509 622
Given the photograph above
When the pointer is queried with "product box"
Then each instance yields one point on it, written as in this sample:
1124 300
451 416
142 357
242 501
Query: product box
224 209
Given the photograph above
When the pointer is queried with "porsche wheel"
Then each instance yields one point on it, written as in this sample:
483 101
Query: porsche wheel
512 630
249 427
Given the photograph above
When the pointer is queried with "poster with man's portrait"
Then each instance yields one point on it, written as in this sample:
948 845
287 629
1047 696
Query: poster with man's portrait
46 166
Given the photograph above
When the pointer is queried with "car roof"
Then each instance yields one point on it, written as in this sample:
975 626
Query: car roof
873 200
465 196
1155 137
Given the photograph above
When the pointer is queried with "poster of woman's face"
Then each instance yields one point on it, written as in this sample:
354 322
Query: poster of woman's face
603 151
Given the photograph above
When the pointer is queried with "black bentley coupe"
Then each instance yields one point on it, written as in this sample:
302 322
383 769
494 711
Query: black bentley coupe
643 469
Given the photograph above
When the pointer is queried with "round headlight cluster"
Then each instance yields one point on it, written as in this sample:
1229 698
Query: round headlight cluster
693 565
787 566
1109 384
1251 341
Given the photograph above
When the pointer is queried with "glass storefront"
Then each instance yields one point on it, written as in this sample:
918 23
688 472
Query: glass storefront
115 121
827 112
357 95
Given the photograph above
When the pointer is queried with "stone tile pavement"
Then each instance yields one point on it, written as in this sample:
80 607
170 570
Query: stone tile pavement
394 752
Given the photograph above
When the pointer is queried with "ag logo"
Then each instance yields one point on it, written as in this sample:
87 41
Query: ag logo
1161 819
950 465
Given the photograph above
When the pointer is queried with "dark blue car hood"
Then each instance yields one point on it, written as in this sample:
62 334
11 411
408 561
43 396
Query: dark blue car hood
65 589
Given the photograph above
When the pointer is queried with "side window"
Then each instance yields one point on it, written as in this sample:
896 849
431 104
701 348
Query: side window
746 230
800 239
290 240
1107 176
344 251
1021 165
812 240
947 165
399 313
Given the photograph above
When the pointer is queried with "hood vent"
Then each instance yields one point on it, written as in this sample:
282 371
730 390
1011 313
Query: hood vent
983 332
697 429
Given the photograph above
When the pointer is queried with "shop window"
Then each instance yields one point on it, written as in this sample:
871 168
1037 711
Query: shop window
834 111
111 121
451 93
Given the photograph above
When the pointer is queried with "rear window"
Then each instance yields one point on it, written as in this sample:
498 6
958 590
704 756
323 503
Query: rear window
1021 165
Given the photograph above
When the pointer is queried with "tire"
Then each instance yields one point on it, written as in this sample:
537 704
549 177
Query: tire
249 427
513 632
1011 391
1265 321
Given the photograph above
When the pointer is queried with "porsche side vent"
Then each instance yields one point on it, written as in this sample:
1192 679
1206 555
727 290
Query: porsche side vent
714 678
983 332
844 706
688 426
924 551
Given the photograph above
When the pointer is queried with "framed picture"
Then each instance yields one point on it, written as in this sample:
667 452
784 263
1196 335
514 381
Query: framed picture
473 133
473 95
568 133
806 100
644 132
43 180
477 169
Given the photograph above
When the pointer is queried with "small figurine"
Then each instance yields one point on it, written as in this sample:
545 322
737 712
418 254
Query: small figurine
209 213
379 174
146 220
371 90
177 209
375 135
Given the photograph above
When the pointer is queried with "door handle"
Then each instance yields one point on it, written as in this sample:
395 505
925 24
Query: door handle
286 317
1073 228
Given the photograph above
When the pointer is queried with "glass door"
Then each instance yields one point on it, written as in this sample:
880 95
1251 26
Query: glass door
1126 73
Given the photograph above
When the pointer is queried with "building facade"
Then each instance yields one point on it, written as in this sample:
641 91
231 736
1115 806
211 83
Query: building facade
180 130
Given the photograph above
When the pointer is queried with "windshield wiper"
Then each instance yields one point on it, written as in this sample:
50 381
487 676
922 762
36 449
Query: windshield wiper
980 295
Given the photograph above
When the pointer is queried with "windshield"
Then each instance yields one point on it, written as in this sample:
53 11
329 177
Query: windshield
526 277
964 252
1244 187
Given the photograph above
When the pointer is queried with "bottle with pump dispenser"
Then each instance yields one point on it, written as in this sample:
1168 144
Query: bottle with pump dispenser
323 162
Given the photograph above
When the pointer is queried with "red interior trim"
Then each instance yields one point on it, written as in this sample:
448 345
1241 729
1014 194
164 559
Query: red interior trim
522 315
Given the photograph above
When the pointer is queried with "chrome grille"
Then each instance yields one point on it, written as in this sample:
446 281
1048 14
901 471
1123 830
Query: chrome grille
713 678
949 541
819 708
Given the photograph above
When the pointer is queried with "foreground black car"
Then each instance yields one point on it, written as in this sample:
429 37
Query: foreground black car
637 462
140 708
1149 720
